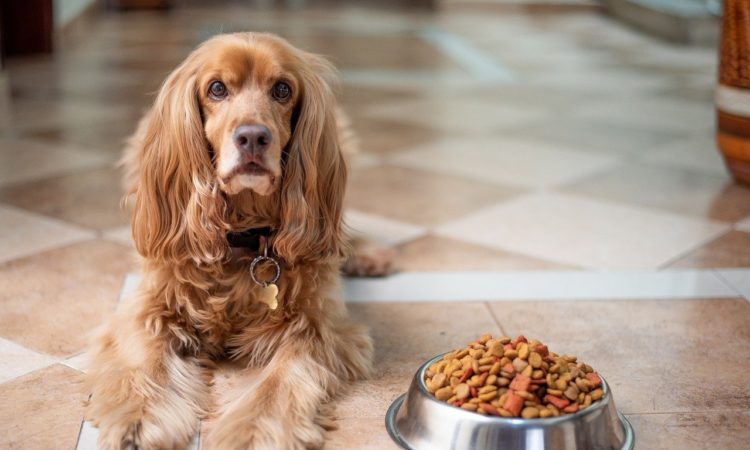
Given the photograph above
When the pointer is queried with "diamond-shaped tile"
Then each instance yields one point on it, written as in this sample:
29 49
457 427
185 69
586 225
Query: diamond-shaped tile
419 197
42 410
90 198
122 235
381 230
684 191
743 224
695 152
593 135
439 254
584 232
16 360
26 160
23 233
51 301
504 161
729 250
465 118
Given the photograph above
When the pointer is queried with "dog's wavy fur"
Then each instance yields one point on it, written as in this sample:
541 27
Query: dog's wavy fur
150 366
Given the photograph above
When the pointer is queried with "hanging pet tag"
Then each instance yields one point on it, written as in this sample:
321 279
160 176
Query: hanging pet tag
268 294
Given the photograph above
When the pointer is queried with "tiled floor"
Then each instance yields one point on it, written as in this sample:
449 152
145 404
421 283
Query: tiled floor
491 142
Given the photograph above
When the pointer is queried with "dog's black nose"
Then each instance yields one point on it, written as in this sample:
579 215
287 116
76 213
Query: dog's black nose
252 138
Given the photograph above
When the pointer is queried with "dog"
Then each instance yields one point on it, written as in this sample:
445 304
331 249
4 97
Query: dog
237 177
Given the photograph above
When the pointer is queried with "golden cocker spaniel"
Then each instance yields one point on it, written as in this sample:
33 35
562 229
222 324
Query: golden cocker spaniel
239 163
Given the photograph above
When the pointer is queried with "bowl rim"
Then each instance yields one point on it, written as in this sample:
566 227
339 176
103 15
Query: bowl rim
596 406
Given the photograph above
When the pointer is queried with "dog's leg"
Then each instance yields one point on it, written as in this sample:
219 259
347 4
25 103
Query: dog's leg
143 394
286 408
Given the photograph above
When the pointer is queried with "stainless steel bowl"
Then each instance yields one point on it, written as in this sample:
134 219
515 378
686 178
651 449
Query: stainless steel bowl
417 421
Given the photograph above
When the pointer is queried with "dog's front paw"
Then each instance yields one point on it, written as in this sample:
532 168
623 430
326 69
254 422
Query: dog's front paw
265 432
121 436
141 435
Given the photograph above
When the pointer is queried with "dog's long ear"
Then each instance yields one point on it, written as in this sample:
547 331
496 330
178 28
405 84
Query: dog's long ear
178 209
315 172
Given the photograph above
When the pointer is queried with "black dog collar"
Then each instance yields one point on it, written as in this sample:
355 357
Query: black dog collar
249 239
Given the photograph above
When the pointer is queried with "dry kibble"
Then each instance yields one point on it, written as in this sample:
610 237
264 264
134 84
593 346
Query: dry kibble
530 413
438 380
513 378
535 359
462 391
523 351
469 406
444 393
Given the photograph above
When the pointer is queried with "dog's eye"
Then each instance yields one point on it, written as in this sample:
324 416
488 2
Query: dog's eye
217 90
281 91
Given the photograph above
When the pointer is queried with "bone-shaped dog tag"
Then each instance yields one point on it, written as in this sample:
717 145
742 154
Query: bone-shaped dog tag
268 296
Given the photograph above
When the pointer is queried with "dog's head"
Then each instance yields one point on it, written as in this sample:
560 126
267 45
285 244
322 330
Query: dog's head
245 116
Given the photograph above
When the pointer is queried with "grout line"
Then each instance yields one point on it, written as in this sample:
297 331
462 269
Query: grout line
698 245
730 285
466 55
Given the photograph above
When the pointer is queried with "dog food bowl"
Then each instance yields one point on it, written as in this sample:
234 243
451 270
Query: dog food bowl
418 421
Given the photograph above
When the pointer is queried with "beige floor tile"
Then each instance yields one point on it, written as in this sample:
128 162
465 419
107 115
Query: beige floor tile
108 138
356 95
593 135
418 197
42 410
729 250
696 152
428 328
380 52
465 118
584 232
669 189
364 434
16 360
23 233
379 229
406 335
49 113
122 235
52 301
652 353
435 253
386 136
90 198
743 224
505 161
726 430
600 81
654 113
26 160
